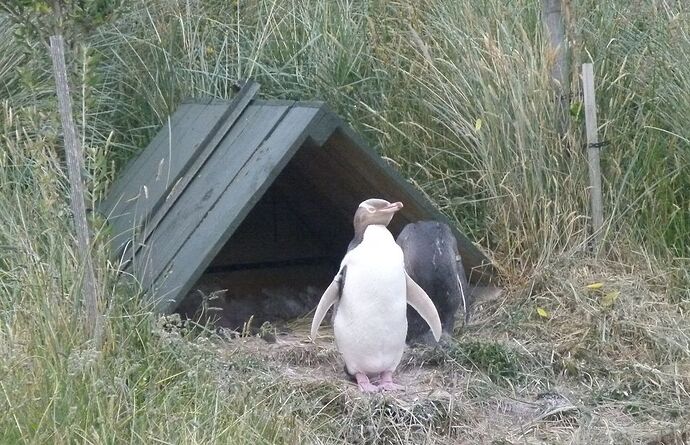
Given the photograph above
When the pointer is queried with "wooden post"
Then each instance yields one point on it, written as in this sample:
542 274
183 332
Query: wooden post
554 25
74 157
555 28
593 154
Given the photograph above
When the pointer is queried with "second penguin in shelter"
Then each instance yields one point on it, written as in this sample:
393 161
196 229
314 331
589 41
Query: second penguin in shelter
433 261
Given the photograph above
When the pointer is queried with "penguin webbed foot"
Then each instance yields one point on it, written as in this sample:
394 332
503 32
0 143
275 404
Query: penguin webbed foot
364 384
387 384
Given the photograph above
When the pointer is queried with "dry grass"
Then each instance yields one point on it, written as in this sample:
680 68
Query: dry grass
595 369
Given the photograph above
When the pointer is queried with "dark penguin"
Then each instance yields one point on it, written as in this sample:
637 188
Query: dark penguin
432 260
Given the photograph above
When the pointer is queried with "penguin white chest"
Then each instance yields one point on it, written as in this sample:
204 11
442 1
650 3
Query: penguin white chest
370 324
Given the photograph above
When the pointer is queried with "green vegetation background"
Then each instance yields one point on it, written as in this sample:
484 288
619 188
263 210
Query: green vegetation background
456 94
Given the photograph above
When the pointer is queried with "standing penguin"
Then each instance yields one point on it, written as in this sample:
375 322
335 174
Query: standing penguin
433 261
372 291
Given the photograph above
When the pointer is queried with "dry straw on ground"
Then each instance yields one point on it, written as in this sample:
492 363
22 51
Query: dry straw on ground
586 352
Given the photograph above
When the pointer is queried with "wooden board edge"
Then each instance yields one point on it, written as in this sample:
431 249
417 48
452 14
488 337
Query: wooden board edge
167 304
479 267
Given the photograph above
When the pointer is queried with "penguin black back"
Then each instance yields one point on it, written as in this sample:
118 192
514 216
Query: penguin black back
432 260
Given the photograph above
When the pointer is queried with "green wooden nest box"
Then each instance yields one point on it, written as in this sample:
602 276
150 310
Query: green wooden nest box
261 191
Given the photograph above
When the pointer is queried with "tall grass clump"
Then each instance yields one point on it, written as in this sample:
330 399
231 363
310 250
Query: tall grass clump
642 54
483 72
459 95
160 52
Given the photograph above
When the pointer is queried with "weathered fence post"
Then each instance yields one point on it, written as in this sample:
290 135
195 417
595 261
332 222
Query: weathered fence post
555 27
74 157
593 154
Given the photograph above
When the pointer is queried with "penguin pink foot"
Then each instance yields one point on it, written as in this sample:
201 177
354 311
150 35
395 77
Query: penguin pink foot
364 384
386 383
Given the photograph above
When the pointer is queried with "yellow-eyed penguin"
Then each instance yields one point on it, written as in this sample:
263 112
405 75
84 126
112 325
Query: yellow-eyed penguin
372 291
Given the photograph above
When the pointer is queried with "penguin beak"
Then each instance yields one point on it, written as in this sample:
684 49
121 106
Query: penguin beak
392 208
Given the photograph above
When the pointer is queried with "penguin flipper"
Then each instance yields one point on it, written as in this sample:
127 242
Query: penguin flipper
328 299
420 301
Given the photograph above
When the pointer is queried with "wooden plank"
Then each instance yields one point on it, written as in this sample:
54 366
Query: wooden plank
301 103
554 24
244 191
593 154
235 109
134 166
206 188
322 129
163 168
554 21
112 207
172 159
365 165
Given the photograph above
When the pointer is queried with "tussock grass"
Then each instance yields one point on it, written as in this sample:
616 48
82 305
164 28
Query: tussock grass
458 96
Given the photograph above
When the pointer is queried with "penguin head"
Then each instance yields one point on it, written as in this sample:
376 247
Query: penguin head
375 211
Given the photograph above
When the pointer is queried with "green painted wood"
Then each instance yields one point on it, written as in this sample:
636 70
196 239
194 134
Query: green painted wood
182 220
320 131
235 109
364 171
121 203
353 152
161 169
174 159
243 192
134 166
